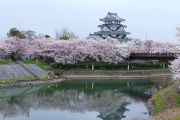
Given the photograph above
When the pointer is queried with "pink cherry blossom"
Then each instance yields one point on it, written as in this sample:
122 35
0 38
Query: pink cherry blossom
175 69
66 52
150 46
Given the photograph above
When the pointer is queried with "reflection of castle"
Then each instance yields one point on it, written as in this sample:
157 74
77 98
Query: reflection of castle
110 101
117 114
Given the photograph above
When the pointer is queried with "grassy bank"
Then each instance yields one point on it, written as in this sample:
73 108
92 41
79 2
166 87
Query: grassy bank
166 104
11 80
6 62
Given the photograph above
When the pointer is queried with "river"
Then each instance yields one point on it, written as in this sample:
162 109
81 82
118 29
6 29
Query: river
80 100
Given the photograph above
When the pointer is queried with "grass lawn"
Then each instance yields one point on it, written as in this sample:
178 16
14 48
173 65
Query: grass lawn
15 79
160 104
176 97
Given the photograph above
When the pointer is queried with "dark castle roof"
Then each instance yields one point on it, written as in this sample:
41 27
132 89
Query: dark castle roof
112 17
111 28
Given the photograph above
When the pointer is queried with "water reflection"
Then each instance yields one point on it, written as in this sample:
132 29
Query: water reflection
100 100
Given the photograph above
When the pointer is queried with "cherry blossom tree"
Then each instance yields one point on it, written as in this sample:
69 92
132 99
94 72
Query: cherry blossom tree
65 52
150 46
175 69
13 47
79 50
74 51
2 50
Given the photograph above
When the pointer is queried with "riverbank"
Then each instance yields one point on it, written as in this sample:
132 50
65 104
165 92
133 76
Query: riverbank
165 104
21 83
74 75
117 74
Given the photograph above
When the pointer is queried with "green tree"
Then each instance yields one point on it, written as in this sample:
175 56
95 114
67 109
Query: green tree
29 34
14 32
65 34
47 36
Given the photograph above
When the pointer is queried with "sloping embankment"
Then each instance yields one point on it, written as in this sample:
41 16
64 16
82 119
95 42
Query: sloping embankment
17 71
165 104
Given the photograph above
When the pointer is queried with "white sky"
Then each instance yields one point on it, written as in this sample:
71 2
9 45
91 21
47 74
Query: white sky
156 18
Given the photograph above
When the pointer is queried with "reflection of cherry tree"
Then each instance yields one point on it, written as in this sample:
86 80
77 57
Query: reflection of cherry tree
109 103
72 100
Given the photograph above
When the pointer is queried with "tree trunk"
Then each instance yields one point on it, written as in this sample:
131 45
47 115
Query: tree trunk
164 66
92 66
128 67
60 67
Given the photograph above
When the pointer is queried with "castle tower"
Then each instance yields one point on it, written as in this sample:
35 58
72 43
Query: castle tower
111 28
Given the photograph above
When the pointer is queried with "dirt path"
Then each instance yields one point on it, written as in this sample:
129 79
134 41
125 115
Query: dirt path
167 114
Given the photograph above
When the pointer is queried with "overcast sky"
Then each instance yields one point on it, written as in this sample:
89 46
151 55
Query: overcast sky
156 19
